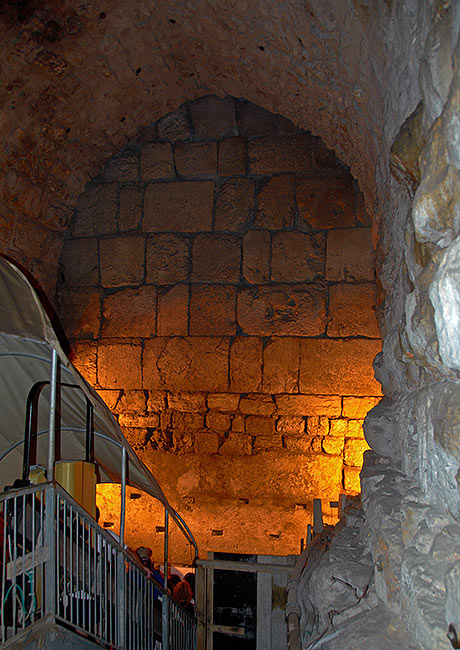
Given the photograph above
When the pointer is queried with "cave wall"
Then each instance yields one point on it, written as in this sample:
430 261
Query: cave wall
80 80
405 568
217 287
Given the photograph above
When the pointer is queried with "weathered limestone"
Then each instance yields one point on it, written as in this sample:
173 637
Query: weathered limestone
229 228
350 72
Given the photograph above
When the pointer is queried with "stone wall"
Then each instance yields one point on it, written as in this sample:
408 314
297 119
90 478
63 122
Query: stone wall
218 288
81 79
407 530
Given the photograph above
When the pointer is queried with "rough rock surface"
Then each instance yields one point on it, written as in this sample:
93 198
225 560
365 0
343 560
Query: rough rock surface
222 285
80 80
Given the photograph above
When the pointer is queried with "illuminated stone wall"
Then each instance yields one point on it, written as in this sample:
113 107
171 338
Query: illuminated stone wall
218 288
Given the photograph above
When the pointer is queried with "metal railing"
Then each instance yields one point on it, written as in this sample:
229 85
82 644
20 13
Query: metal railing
56 562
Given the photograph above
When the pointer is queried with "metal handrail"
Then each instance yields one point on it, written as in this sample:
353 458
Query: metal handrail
58 564
98 434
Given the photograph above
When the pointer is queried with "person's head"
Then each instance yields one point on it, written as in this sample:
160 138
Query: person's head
173 580
190 578
183 593
145 553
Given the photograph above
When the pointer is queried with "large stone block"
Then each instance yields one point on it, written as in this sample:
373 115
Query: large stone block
84 358
130 209
260 425
174 126
109 397
355 429
297 257
119 364
183 439
178 207
352 310
350 255
224 402
232 157
256 121
216 258
130 311
291 424
186 363
358 407
267 442
218 421
326 203
194 402
278 154
276 204
344 367
297 444
212 310
238 422
173 310
132 401
152 420
318 425
234 205
246 364
281 365
157 161
187 422
308 405
96 211
122 260
332 445
80 262
80 311
213 117
207 442
351 480
282 310
256 256
156 400
196 158
338 427
167 259
124 167
257 404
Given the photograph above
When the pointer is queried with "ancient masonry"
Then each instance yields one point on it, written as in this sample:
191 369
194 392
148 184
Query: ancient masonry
218 288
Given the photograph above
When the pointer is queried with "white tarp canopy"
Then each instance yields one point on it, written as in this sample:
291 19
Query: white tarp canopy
27 340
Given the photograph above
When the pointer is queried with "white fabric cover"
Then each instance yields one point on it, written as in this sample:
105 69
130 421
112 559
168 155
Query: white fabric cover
26 342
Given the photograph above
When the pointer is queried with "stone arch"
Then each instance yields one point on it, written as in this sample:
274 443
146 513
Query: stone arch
78 82
79 90
218 288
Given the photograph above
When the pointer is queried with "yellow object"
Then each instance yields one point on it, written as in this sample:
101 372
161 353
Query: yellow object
37 474
79 479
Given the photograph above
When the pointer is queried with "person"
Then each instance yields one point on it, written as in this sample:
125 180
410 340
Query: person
144 553
183 595
173 580
190 578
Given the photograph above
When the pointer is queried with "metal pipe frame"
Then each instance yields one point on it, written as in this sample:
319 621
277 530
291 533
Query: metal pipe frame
79 575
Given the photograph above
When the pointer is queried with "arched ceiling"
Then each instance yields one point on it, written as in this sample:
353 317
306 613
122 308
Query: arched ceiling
80 79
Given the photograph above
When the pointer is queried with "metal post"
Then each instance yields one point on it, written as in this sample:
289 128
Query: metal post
318 526
121 573
165 599
52 416
89 431
52 562
123 497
